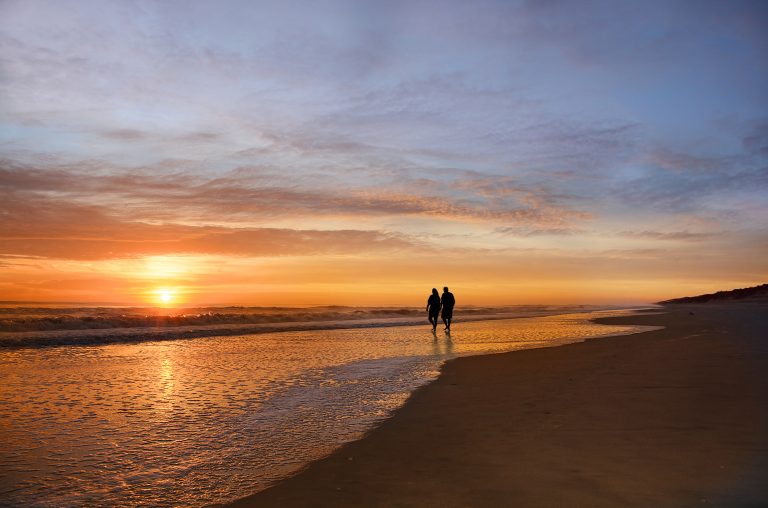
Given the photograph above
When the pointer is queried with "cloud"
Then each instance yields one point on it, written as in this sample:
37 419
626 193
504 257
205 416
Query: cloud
680 161
136 240
525 233
240 195
125 134
685 236
616 35
723 190
53 229
140 135
756 141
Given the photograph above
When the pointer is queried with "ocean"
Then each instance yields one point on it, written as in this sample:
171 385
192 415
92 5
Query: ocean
132 407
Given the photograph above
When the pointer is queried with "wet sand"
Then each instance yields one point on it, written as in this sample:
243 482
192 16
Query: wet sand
670 418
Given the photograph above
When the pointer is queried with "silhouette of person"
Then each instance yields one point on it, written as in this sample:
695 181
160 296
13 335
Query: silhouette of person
447 301
433 308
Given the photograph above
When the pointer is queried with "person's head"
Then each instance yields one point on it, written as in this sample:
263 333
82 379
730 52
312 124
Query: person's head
445 289
434 291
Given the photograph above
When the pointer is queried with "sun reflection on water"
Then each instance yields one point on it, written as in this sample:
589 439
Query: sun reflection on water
199 421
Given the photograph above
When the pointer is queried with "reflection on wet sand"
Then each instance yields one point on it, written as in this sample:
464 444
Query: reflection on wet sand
206 420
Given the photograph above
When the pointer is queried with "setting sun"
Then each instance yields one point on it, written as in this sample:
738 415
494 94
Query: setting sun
164 296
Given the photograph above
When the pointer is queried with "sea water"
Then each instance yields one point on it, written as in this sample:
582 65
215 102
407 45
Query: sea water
190 422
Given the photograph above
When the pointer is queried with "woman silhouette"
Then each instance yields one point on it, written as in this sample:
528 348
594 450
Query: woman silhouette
433 308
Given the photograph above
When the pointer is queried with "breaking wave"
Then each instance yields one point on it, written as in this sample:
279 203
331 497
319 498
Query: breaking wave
49 326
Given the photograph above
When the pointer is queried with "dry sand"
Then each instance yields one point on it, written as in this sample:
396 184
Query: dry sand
675 417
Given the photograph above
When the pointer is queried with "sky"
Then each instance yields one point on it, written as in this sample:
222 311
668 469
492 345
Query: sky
360 153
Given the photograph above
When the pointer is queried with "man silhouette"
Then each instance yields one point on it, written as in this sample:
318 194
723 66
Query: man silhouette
433 308
447 301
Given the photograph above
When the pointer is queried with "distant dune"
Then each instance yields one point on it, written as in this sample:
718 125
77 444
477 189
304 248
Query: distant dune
757 293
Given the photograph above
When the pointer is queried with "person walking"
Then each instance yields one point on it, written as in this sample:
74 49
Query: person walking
433 308
447 302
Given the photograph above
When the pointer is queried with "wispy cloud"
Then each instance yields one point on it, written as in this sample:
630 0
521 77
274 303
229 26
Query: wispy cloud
689 191
686 236
53 229
522 232
243 194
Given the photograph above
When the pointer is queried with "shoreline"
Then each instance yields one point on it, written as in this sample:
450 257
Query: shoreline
669 417
106 336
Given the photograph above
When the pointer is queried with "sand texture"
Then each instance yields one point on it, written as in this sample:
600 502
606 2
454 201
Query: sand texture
670 418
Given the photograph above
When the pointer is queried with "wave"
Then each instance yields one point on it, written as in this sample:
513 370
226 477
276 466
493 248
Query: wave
80 322
27 319
40 326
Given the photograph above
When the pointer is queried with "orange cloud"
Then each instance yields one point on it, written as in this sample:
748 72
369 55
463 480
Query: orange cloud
241 194
52 229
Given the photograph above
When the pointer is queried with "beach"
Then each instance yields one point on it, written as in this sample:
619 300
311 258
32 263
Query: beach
666 418
197 421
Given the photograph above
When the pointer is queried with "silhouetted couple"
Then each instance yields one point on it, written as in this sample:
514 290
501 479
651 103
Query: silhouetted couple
435 303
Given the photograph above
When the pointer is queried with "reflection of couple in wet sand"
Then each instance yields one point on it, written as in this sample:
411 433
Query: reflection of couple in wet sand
435 303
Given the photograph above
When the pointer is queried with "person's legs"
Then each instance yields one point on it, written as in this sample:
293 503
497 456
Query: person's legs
447 317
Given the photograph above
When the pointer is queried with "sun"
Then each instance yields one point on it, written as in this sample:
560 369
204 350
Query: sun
165 296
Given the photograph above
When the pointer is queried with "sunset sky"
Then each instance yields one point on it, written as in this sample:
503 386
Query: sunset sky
249 152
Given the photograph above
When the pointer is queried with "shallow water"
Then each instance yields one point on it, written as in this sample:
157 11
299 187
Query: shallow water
22 327
194 422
